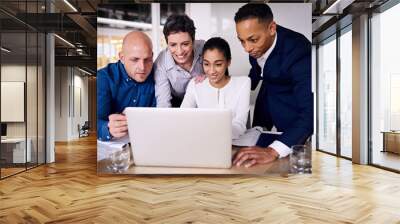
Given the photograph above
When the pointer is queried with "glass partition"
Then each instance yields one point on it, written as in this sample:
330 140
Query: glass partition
41 96
327 95
22 88
346 93
31 98
385 89
13 98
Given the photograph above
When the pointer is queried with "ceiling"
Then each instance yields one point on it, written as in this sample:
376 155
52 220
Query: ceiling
76 21
76 25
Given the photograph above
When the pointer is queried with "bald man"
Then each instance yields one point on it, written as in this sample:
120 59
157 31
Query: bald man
126 83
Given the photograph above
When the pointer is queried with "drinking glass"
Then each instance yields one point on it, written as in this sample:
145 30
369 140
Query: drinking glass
300 159
120 160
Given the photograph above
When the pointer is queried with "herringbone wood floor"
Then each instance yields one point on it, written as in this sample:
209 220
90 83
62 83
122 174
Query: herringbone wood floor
69 191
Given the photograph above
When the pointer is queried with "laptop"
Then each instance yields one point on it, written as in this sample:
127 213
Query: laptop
180 137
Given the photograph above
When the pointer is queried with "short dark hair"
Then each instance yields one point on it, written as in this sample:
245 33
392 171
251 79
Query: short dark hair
179 23
221 45
252 10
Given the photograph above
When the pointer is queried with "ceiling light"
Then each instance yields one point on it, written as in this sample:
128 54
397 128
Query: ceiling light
5 50
338 6
331 7
70 5
84 71
65 41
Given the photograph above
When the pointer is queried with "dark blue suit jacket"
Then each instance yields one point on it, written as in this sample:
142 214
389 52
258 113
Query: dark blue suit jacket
285 99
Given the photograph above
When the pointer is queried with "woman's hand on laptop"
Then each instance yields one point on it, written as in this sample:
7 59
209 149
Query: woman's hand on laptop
118 125
254 155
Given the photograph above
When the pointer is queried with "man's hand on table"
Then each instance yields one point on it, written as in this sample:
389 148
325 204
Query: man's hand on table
118 125
254 155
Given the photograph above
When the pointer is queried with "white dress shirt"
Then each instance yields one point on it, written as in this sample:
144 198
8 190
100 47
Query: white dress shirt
261 60
235 95
282 149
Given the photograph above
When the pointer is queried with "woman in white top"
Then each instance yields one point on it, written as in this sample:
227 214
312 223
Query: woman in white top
219 90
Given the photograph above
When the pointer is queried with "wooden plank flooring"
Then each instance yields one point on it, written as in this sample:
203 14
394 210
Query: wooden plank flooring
387 159
10 171
70 191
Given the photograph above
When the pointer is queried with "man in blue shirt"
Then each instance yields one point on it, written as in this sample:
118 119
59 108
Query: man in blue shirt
126 83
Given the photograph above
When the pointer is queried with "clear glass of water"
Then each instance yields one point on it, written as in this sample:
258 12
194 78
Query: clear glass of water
300 159
120 160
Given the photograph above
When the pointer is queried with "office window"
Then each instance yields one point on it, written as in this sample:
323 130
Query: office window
346 93
327 95
385 88
115 21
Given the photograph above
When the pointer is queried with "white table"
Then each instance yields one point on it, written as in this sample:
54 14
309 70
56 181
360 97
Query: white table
280 166
18 149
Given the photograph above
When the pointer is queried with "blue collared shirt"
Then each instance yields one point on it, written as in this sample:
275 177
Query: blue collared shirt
116 91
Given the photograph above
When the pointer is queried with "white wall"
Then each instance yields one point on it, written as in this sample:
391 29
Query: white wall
69 82
80 83
17 73
14 73
33 126
201 15
50 94
61 103
12 101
